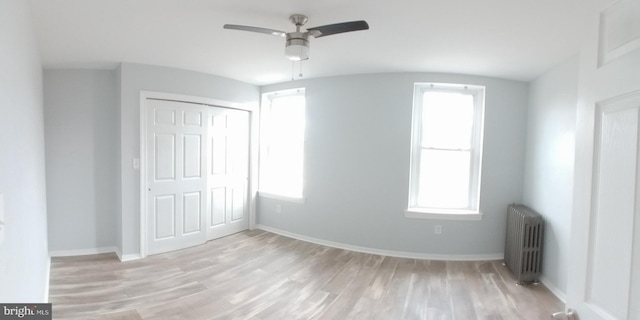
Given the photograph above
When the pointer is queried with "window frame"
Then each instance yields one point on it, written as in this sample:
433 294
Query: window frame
472 212
265 142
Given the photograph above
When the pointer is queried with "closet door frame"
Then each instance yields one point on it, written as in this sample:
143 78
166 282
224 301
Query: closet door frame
139 164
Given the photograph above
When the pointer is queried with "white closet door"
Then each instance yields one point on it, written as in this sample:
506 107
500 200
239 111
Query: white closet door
228 179
197 173
176 175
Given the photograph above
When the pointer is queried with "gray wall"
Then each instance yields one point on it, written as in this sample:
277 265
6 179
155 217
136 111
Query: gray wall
93 129
548 184
133 79
357 166
357 156
82 142
24 259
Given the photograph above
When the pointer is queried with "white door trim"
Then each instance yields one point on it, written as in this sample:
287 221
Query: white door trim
604 227
141 162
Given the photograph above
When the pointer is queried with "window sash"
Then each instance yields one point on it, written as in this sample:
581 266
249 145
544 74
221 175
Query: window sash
444 178
282 143
446 119
431 186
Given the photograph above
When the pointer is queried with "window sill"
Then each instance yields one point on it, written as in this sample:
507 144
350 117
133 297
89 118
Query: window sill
443 214
281 197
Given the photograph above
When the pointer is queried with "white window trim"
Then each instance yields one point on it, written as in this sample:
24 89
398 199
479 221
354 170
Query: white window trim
280 197
266 100
472 213
443 214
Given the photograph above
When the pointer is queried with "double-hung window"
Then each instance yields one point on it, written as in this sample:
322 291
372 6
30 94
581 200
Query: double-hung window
282 131
446 151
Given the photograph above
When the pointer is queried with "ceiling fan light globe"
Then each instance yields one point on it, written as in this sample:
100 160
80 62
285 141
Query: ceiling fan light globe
297 50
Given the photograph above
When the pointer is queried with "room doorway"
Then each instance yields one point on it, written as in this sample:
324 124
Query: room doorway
604 278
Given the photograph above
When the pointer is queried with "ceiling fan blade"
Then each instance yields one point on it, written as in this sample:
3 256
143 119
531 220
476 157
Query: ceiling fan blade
272 32
330 29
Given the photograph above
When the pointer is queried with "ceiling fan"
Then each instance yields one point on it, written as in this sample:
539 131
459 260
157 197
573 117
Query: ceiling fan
297 44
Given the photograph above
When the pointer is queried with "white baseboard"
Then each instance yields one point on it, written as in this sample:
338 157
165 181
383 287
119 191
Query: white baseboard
128 257
81 252
85 252
556 292
390 253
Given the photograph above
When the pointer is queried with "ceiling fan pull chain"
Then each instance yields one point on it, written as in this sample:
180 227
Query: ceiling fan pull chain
293 67
300 74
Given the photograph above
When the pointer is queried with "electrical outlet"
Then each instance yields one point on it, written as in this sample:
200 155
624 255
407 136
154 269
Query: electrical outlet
438 229
278 208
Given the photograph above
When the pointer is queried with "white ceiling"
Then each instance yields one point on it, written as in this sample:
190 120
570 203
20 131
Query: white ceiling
513 39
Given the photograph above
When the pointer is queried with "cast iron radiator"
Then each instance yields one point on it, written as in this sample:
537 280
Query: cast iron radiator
523 246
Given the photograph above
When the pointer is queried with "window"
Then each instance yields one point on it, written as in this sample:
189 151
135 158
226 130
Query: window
446 151
282 143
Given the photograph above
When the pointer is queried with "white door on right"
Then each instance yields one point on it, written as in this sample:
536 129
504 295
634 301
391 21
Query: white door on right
228 179
604 278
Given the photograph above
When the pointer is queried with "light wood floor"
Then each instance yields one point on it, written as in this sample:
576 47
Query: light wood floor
259 275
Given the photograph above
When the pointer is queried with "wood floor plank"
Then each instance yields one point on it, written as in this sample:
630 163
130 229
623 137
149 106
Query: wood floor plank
257 275
190 307
121 315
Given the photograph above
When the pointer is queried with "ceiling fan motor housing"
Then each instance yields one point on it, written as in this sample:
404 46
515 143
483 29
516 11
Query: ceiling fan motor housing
297 46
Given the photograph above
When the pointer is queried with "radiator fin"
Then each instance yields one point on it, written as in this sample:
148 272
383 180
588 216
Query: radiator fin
524 242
